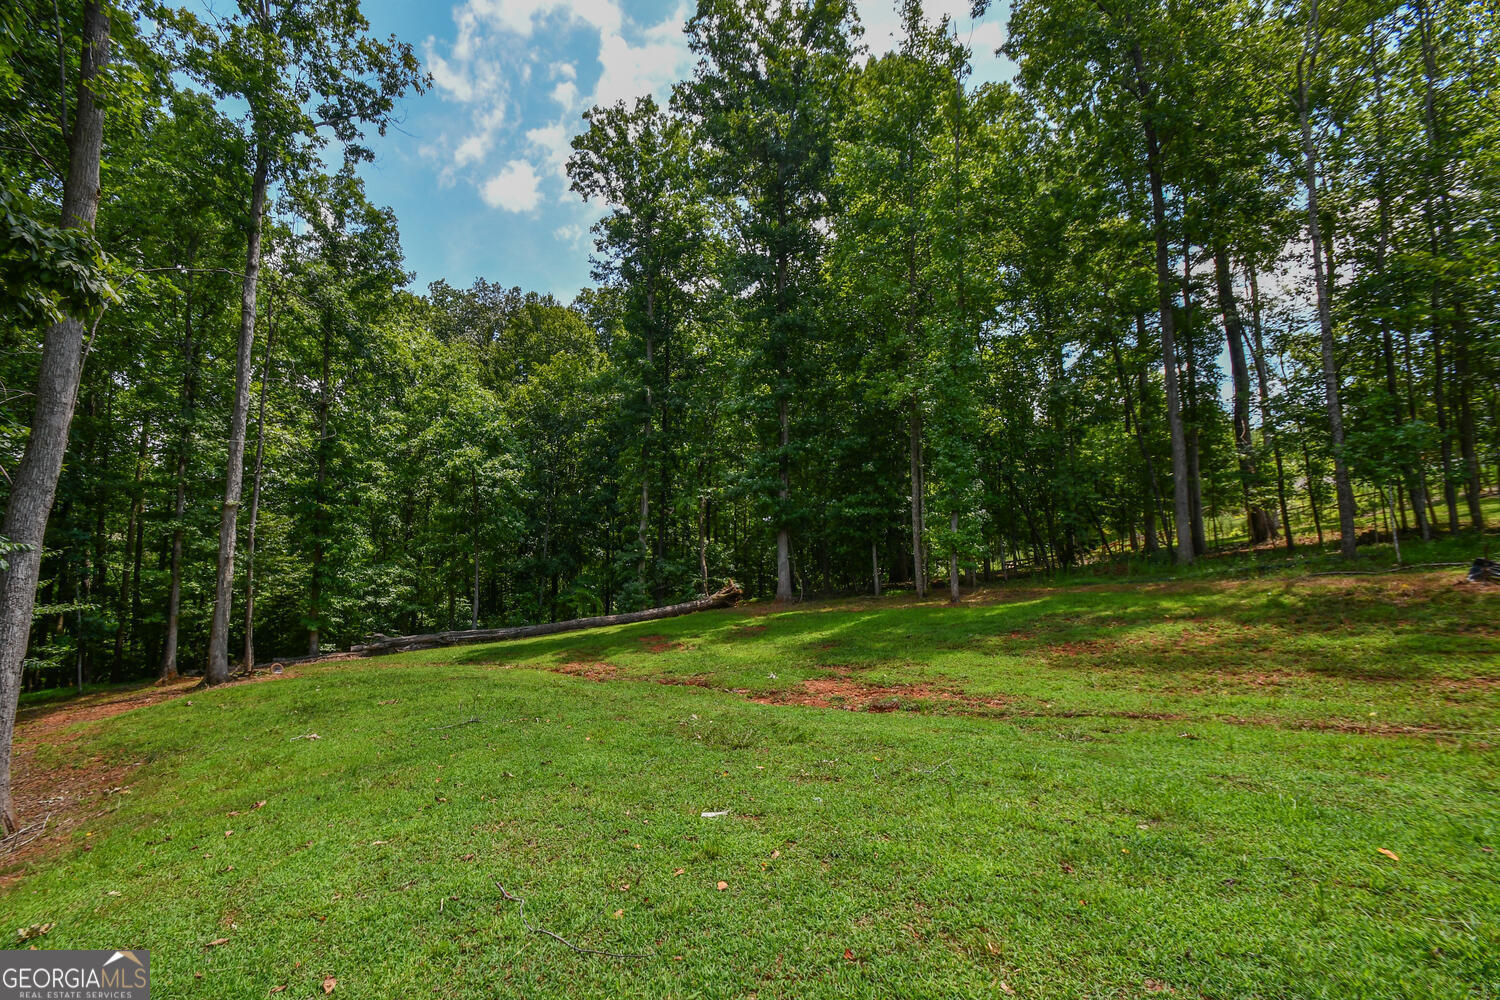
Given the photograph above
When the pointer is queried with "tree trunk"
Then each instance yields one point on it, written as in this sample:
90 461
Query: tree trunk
1259 524
35 482
783 533
1180 493
123 620
260 457
381 644
918 504
474 542
953 594
320 500
169 670
1267 425
1306 66
875 565
1195 471
234 473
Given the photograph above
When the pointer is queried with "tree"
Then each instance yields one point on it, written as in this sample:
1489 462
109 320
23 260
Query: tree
306 71
35 480
771 83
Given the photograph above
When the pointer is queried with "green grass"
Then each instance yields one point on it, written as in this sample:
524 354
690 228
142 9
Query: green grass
1102 791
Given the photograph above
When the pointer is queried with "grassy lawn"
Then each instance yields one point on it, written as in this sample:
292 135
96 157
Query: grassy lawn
1087 791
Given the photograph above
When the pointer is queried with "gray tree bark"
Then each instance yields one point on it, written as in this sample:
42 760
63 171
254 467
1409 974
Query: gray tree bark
35 482
234 473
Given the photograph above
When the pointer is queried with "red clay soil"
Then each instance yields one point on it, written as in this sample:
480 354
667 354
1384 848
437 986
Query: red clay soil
594 670
658 644
851 695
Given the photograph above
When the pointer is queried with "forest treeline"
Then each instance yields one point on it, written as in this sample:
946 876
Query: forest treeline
1213 272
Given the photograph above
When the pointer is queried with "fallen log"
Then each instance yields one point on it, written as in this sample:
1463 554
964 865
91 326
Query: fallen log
378 645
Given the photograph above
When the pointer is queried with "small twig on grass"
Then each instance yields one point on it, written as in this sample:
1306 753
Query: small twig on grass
13 843
558 937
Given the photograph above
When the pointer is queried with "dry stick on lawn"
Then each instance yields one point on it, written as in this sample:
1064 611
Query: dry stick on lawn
558 937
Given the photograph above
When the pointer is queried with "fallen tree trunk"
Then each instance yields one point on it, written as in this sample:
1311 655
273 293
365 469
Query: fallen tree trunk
378 645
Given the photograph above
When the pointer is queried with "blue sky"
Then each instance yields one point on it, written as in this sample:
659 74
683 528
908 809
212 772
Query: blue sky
475 172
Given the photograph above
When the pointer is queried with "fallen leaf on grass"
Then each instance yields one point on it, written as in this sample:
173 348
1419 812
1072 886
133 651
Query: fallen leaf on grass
467 857
618 914
1389 854
1006 988
259 804
34 931
278 989
1066 867
377 843
722 886
775 854
714 815
329 983
848 955
678 871
218 941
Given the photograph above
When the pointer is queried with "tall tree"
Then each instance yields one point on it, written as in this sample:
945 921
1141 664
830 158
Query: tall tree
35 481
307 71
771 82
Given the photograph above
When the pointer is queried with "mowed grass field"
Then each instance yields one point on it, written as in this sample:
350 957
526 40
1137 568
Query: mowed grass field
1278 788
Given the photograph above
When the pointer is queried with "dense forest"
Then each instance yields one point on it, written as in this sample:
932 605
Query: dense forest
1198 276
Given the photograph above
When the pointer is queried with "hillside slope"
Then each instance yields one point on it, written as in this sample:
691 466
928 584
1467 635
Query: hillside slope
1096 791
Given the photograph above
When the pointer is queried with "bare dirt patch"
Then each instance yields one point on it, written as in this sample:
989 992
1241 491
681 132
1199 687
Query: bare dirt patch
594 670
850 695
659 644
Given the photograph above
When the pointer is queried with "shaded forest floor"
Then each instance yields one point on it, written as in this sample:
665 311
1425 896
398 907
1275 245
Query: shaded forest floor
1219 788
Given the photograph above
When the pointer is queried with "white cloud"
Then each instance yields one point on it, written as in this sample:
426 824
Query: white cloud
566 94
515 188
629 70
564 71
520 17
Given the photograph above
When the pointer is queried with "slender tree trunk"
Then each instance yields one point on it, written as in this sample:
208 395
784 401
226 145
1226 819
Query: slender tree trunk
1312 494
1190 358
320 500
260 458
474 543
645 527
169 671
35 481
1180 490
123 621
953 594
918 504
783 493
1267 425
1440 408
1135 419
1259 525
875 565
234 474
1306 66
